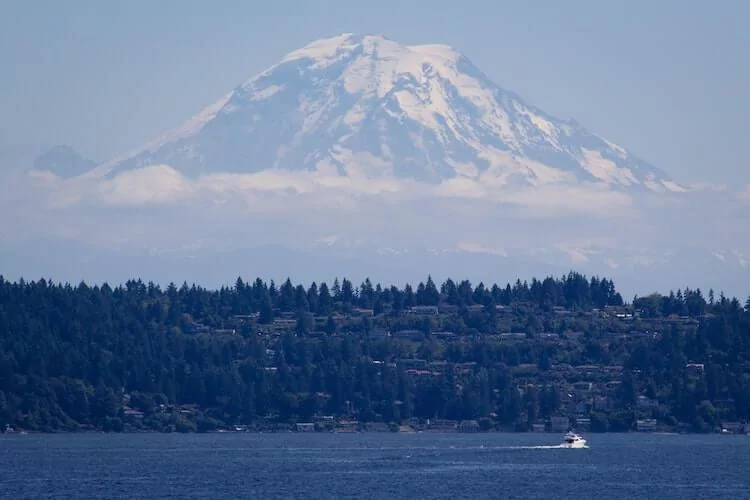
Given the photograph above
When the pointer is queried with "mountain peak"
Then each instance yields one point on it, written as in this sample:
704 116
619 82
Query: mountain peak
366 106
327 51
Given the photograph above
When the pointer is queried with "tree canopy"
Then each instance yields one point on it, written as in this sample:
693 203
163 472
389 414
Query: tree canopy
188 358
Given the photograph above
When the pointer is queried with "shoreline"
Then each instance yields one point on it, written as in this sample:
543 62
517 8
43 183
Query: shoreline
291 431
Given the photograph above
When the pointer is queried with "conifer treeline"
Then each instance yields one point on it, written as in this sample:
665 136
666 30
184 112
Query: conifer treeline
80 356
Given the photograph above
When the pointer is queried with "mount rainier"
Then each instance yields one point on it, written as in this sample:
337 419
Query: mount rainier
359 155
368 107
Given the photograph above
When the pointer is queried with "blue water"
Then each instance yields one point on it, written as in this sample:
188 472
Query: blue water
369 466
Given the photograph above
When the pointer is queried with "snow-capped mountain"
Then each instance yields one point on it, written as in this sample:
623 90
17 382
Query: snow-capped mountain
356 105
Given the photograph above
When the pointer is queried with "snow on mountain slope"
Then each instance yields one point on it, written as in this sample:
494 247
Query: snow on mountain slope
366 106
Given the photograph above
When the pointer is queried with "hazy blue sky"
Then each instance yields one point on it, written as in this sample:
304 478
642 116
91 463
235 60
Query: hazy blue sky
668 79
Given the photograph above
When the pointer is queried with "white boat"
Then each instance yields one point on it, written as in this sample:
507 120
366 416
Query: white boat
573 440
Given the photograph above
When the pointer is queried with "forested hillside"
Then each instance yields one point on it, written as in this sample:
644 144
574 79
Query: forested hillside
265 356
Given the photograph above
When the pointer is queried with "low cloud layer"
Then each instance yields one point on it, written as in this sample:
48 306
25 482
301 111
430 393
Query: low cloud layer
158 212
161 185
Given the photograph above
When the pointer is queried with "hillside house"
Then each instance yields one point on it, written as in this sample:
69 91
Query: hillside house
646 425
424 310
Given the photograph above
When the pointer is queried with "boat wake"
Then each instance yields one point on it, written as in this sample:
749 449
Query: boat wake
571 440
546 447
